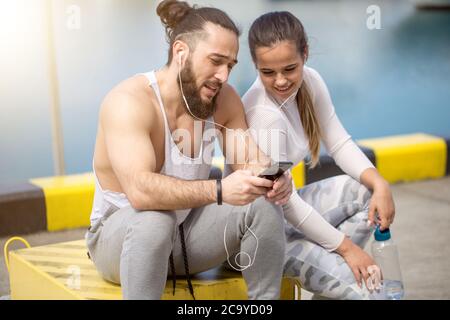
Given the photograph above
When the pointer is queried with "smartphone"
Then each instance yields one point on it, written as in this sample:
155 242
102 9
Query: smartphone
276 170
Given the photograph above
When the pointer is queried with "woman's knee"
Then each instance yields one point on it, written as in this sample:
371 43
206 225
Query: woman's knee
353 191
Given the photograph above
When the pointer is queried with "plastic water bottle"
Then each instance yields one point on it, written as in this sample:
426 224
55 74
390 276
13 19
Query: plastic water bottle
385 254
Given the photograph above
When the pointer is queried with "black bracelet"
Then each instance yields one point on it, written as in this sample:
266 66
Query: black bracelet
219 191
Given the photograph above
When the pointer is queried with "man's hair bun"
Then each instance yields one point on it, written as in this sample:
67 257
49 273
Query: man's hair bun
185 22
172 12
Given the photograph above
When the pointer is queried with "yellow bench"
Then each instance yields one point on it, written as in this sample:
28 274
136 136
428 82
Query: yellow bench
63 271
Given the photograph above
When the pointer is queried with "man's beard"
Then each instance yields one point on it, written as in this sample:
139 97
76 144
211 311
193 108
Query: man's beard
197 106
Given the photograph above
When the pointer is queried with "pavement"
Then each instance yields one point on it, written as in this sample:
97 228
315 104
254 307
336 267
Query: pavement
421 230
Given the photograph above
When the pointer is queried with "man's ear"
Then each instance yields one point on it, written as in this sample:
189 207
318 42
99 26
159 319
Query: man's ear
180 51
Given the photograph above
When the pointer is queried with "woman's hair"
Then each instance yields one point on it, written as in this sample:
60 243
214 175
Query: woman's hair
270 29
185 22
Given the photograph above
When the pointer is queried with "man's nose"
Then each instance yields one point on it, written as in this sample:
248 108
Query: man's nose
222 74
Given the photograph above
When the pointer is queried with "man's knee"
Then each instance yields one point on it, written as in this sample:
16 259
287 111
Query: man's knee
268 215
154 228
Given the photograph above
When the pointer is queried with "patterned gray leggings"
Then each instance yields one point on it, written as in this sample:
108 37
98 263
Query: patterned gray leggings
344 203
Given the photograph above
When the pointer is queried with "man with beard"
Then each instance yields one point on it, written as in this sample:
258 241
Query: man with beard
155 212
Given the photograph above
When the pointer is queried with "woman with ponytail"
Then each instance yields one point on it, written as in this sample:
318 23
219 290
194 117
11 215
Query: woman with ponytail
329 221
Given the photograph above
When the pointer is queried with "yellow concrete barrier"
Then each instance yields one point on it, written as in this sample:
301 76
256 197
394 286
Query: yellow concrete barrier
409 157
298 175
68 200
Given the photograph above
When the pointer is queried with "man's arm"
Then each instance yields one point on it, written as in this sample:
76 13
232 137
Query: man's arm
245 149
238 146
127 124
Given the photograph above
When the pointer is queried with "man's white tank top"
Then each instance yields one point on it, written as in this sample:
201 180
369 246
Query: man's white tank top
176 164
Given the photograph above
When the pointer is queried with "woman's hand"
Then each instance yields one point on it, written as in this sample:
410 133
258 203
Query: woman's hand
281 190
360 263
382 203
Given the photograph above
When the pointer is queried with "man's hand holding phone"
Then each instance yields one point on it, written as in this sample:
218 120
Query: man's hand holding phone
242 187
274 183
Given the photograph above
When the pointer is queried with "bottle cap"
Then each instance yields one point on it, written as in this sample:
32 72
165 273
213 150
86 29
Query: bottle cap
382 235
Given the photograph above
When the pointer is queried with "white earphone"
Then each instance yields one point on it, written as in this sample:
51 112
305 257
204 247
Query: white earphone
251 259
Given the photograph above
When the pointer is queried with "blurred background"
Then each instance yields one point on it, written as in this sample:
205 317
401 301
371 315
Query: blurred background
386 63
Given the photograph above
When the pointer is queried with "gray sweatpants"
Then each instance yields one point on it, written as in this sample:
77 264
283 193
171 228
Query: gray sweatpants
132 248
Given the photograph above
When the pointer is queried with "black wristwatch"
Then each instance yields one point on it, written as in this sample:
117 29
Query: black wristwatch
219 191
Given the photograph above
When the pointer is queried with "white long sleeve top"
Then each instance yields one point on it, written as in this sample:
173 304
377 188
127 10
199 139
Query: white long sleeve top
280 135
